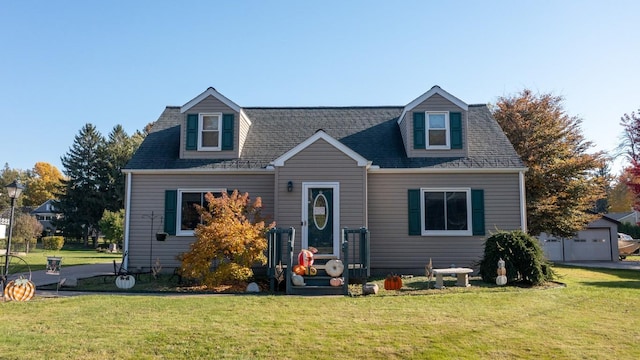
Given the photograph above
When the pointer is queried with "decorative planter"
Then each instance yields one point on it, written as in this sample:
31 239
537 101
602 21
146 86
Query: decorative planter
161 236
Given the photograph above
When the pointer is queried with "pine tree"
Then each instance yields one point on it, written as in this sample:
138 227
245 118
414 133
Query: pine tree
560 187
119 150
84 200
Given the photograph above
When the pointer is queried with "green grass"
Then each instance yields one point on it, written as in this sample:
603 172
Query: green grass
632 258
72 254
594 317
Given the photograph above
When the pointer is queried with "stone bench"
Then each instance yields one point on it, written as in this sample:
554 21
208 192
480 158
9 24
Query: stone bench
461 273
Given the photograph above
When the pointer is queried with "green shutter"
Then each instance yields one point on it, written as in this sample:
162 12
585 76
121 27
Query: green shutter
455 129
192 132
227 132
414 212
477 211
170 211
419 135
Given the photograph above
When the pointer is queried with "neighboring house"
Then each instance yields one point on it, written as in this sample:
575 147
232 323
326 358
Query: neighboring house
597 242
629 217
46 215
4 224
429 180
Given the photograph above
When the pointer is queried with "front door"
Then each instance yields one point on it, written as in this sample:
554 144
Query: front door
321 218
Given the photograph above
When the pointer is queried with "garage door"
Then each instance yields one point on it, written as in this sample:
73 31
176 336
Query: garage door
589 245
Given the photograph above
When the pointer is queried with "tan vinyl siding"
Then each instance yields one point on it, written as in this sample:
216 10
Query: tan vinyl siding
321 162
147 195
209 105
434 103
245 123
393 248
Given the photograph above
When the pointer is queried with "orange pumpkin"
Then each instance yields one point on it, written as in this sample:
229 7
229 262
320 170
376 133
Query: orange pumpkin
19 290
299 270
393 282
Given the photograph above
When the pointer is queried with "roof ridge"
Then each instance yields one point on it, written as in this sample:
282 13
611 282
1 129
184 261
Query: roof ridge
322 107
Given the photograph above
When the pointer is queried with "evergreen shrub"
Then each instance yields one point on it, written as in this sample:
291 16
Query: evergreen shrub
523 257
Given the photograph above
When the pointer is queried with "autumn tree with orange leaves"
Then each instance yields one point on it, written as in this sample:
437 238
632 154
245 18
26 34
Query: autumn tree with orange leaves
230 239
630 146
560 185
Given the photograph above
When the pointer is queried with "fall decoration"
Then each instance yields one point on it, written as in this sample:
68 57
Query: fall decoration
336 281
502 272
393 282
334 268
305 257
297 280
311 271
125 281
299 270
19 290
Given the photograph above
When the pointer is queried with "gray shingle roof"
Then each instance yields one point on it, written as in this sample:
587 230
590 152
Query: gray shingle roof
372 132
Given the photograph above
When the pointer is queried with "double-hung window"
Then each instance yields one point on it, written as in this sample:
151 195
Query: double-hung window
210 131
188 217
437 129
446 212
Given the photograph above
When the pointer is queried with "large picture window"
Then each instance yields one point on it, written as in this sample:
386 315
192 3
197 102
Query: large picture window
188 217
446 211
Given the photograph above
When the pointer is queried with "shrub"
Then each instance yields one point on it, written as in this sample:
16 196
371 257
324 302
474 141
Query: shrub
232 234
523 257
26 231
52 242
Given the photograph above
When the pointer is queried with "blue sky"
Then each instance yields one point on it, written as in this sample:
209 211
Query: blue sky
67 63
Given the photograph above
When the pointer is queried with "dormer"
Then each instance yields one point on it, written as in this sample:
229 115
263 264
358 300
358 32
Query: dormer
212 127
435 125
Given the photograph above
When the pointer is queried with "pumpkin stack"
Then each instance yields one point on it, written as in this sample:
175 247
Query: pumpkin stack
393 282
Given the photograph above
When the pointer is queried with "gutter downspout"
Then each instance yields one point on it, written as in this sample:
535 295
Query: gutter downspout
127 220
523 202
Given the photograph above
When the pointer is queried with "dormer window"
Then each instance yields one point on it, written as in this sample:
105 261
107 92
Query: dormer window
210 132
437 130
209 129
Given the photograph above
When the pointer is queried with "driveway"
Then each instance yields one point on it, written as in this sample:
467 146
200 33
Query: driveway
71 274
625 265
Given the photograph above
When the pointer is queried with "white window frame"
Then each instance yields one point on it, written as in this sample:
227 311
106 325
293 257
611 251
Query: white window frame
447 135
201 130
179 231
468 232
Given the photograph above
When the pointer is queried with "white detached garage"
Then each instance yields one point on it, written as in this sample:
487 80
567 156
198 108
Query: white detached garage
598 242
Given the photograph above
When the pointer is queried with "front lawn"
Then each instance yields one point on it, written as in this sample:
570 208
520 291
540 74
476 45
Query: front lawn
72 254
594 316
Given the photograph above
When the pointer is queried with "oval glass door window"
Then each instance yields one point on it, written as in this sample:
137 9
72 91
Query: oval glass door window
320 211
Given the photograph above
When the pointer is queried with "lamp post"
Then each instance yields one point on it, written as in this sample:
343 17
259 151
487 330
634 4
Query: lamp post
13 190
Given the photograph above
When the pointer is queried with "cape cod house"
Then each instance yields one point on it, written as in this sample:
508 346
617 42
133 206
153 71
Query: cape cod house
429 180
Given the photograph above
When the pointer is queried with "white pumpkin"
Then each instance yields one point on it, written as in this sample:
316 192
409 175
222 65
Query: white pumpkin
501 280
334 268
297 280
125 281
